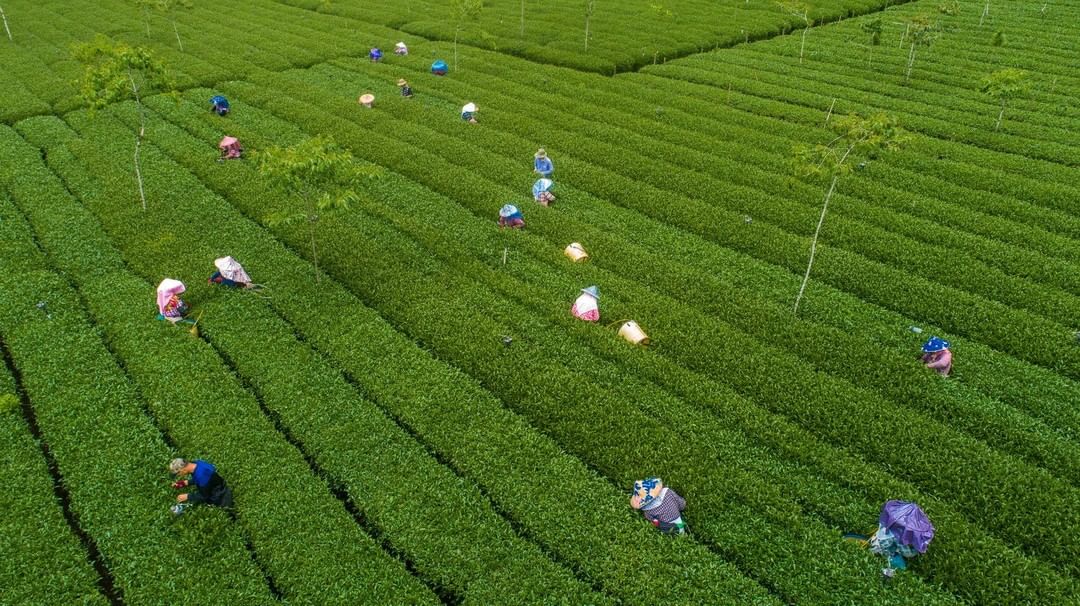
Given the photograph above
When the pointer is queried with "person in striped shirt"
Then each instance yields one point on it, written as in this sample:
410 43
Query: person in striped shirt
660 505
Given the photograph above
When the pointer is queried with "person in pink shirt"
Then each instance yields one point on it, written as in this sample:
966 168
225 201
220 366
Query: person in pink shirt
936 355
587 306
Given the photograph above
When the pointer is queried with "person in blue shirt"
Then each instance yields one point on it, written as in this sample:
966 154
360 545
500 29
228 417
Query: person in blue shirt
210 487
542 163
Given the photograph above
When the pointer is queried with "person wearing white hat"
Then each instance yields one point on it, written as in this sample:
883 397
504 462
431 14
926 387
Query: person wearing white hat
587 305
406 90
230 273
510 216
660 505
170 306
468 113
542 191
542 164
401 49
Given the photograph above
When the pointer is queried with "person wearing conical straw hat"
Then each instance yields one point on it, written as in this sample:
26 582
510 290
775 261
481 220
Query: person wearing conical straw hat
542 191
660 505
510 216
542 164
400 49
587 305
230 273
936 355
468 112
170 306
406 90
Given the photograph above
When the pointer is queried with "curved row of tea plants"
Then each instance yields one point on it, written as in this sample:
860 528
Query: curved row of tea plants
683 559
179 380
39 553
247 134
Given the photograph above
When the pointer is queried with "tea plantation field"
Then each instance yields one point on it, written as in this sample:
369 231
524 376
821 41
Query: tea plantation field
409 414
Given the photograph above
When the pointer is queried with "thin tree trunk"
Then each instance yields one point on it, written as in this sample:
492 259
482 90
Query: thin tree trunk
177 32
6 29
586 32
456 30
986 11
829 115
802 44
522 18
1001 114
146 19
314 255
910 62
138 139
813 243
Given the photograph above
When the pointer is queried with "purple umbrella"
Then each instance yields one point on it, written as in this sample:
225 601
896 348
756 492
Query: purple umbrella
908 523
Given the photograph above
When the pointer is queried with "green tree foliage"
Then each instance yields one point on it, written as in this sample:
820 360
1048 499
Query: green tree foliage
113 71
1005 85
856 138
463 13
801 10
872 28
321 174
168 8
923 31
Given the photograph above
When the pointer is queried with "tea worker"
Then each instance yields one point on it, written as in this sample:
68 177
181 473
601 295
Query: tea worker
936 355
406 90
219 105
170 306
660 505
542 163
439 68
542 191
510 216
587 305
375 55
210 487
400 49
230 273
468 113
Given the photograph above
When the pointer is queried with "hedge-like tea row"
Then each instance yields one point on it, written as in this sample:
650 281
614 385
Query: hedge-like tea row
337 127
39 554
916 208
623 36
555 520
474 547
869 364
111 457
275 128
733 520
296 516
468 157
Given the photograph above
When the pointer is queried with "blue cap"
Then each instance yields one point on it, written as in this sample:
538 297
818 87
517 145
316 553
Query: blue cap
592 290
508 210
935 344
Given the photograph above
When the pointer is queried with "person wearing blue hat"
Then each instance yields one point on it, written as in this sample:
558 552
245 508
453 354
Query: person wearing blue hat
375 55
542 191
660 505
439 67
542 164
510 216
587 305
936 355
219 105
